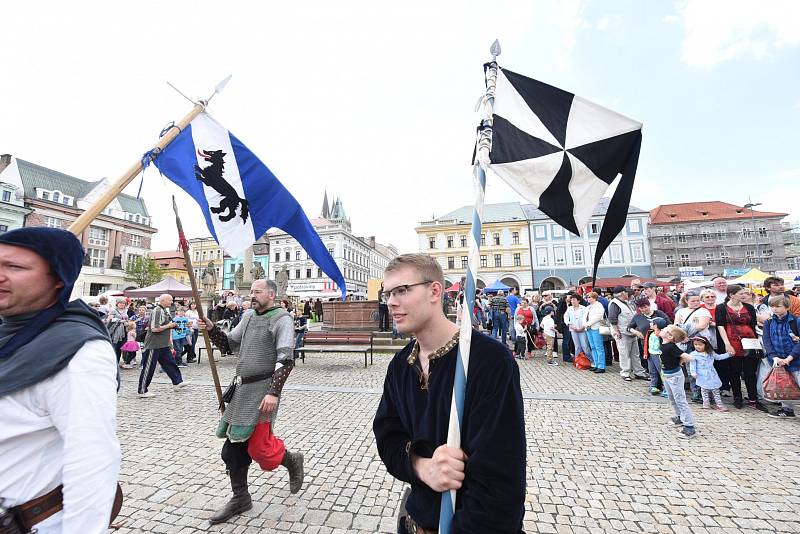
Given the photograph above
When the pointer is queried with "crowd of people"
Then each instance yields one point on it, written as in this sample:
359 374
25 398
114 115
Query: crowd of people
726 335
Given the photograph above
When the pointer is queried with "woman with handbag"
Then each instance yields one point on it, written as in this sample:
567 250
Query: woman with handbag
736 321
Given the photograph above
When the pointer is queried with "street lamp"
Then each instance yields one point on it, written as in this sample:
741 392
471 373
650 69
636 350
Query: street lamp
750 206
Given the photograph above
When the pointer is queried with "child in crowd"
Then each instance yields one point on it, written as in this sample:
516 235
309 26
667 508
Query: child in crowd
180 335
671 359
701 368
653 355
782 345
131 346
549 330
521 344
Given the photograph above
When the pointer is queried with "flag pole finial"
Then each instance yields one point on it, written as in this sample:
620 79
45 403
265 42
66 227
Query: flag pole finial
219 87
495 49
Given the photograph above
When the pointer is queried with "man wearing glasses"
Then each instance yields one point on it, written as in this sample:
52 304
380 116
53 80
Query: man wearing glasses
410 425
265 343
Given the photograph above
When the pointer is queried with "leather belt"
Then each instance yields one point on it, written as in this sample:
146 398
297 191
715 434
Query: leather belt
252 378
21 519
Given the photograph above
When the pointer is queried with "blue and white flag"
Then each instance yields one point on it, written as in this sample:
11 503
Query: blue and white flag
240 197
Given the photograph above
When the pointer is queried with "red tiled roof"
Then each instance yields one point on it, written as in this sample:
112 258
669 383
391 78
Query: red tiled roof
704 211
166 254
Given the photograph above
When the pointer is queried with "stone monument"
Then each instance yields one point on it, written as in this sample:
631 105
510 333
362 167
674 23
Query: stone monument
282 281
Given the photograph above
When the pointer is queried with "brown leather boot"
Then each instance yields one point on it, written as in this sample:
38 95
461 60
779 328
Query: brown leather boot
293 461
240 502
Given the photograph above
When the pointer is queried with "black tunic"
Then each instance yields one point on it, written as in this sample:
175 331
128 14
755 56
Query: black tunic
492 496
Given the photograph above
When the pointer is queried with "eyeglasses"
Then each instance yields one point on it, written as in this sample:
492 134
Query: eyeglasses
400 291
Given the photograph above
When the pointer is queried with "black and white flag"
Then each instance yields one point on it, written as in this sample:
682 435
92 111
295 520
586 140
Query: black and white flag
561 152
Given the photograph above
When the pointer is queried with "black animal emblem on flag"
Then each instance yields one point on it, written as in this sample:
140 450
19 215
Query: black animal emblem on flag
213 177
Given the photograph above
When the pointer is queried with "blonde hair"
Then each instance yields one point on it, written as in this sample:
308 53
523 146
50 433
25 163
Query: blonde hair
425 265
592 294
678 334
130 325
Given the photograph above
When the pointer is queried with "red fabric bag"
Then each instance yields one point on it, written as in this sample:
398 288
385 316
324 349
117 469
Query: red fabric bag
539 341
581 362
779 385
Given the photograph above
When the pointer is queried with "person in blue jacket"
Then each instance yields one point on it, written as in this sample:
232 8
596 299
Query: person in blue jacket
781 342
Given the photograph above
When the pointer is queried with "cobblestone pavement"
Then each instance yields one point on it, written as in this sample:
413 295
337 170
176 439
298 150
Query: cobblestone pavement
600 458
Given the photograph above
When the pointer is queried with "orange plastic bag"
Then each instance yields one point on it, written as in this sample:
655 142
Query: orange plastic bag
779 385
581 362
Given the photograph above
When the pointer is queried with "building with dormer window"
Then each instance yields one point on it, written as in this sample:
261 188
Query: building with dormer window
121 233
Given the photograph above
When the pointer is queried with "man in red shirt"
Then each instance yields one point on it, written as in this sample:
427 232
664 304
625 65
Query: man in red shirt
659 301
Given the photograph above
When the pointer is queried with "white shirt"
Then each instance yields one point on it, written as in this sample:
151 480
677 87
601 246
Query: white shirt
63 431
193 318
720 295
549 326
574 317
653 305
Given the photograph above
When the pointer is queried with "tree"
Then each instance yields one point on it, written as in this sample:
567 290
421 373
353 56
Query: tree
143 271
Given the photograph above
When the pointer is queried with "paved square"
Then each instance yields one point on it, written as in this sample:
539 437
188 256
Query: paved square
600 458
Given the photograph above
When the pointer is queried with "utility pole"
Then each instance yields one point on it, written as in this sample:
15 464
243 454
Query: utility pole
751 205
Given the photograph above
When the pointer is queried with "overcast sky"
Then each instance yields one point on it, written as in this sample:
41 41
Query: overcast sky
375 102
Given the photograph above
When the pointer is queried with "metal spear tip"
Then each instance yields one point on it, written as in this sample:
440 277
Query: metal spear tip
221 85
495 49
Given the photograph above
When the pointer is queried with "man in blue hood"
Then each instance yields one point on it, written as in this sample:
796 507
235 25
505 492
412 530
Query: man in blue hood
59 454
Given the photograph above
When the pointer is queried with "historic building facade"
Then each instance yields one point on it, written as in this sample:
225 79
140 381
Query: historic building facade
715 236
205 252
173 264
562 259
12 204
504 251
119 234
359 258
235 267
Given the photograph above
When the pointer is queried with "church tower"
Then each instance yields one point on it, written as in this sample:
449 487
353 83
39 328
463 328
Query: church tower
326 211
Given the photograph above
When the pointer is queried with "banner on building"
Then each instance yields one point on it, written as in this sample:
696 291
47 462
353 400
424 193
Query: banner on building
691 273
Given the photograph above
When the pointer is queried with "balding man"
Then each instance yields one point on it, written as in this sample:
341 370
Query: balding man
265 342
158 348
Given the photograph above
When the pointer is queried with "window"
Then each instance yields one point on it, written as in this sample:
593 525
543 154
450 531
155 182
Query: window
205 253
496 238
709 258
464 262
319 272
463 241
560 255
3 228
277 257
483 240
634 226
517 259
498 260
52 222
682 237
541 256
296 254
705 237
297 273
724 257
577 255
232 268
97 257
557 230
277 273
451 262
449 241
6 196
66 200
286 255
539 231
308 273
720 235
45 195
133 259
637 252
747 233
483 260
136 240
594 228
684 260
56 197
219 253
616 253
515 238
98 236
762 232
767 252
432 242
197 256
669 259
751 256
666 239
330 250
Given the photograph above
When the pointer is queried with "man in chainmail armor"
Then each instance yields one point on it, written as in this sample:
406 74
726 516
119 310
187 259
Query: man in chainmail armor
265 343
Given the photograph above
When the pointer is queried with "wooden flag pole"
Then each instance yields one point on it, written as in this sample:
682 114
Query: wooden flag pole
81 223
184 245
